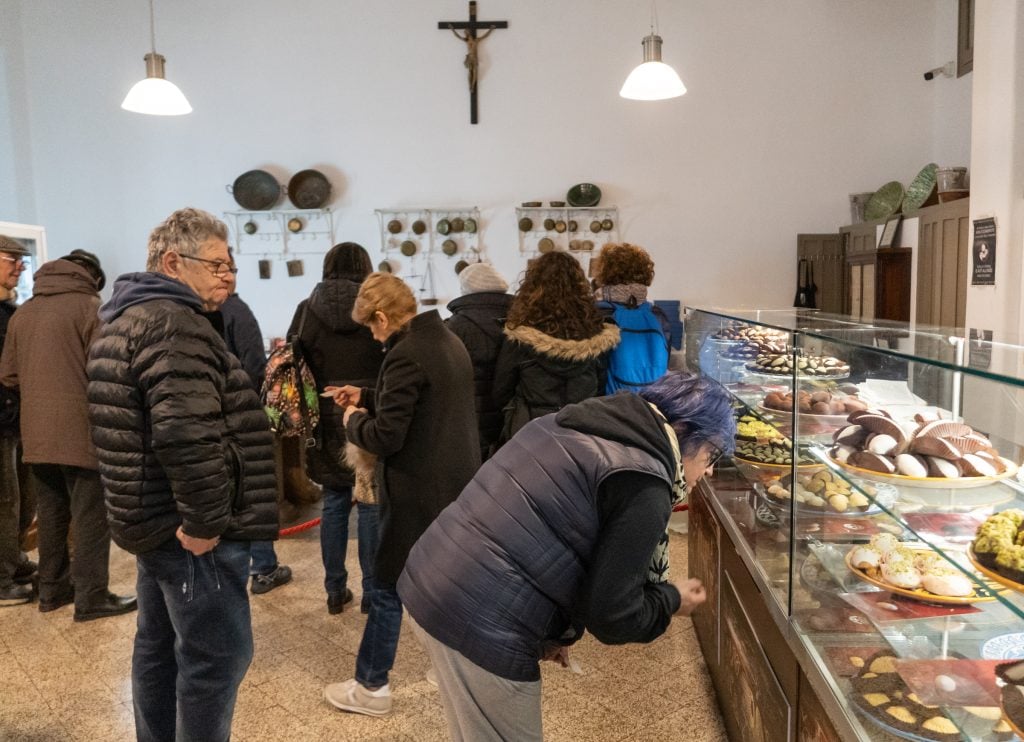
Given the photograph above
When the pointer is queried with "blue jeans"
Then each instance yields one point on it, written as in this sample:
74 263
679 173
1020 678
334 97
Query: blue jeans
264 558
194 641
337 506
380 637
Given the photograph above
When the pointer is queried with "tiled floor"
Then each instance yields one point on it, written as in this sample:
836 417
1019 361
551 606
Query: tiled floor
65 681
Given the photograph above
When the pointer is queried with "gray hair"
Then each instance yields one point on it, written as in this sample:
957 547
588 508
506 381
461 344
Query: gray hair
183 232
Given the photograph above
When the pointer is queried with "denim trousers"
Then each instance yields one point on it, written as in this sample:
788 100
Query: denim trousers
337 506
17 507
71 497
380 637
193 644
264 558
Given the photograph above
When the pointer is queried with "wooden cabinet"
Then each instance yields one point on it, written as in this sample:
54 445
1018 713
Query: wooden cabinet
824 252
942 264
892 284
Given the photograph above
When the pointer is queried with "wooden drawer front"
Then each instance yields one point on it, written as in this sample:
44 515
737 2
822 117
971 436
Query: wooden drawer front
813 723
754 706
704 555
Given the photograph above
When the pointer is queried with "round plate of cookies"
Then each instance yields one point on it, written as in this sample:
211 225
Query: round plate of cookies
995 552
916 572
935 454
820 406
820 493
781 364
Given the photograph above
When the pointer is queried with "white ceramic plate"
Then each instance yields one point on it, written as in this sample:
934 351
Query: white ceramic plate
1005 647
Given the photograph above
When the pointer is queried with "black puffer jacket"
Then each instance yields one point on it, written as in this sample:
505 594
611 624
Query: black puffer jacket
538 374
180 434
477 321
339 351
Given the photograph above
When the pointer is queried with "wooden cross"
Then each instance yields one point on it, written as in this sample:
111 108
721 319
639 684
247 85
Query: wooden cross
469 35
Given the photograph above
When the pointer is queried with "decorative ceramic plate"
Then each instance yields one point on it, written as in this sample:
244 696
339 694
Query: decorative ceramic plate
583 195
920 189
885 202
920 594
992 574
936 483
1005 647
755 371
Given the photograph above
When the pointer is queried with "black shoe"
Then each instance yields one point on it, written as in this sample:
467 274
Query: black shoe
15 594
114 605
336 602
66 598
281 575
25 572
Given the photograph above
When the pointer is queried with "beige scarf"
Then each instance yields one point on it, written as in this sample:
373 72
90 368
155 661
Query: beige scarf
659 569
364 464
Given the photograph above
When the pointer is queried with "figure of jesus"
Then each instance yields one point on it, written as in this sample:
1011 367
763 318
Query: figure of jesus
472 62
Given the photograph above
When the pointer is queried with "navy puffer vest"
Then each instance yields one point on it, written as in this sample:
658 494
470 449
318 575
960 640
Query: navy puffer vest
498 572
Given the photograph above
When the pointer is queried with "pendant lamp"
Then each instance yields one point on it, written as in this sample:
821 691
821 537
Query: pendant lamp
155 95
653 79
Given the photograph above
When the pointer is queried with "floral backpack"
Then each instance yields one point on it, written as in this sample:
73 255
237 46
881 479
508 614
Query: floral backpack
289 391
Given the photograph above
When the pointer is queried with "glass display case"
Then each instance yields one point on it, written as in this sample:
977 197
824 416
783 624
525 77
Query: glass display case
875 499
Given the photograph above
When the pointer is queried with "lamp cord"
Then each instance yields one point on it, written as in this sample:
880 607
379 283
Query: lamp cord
654 16
152 29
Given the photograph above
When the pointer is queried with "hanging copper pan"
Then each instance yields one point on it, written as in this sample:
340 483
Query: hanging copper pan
256 190
309 189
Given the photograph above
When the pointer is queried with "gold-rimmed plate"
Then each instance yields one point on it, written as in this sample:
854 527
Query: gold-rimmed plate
935 483
991 573
919 594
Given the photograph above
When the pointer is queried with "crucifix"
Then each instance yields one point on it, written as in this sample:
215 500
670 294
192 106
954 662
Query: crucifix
469 36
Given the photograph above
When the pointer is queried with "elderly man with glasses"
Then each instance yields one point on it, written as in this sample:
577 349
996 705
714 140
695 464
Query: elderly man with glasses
16 510
186 457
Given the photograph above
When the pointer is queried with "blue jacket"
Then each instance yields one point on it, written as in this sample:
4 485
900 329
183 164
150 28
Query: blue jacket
499 573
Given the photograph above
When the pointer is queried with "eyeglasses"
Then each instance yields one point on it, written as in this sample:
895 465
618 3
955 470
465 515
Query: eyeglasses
18 262
219 269
714 455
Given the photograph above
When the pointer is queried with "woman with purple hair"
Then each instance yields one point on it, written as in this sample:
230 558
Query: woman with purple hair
563 530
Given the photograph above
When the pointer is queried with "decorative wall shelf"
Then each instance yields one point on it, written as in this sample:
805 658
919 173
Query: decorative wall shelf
265 232
577 230
414 239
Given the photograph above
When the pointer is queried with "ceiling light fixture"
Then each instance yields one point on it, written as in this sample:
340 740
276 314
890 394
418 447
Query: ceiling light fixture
653 79
155 95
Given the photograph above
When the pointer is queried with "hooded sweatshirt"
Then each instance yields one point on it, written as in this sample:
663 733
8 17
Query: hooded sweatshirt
181 437
44 355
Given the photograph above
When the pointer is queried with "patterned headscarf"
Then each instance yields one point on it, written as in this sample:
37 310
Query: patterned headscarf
659 569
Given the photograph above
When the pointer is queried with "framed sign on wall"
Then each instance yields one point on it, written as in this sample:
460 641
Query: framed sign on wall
33 238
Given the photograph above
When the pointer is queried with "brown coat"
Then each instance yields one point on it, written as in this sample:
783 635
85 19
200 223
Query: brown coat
44 356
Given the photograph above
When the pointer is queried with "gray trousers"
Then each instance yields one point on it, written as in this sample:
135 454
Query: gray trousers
478 705
17 508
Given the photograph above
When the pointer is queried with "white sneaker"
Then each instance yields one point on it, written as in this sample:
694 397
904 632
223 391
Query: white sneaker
351 696
432 676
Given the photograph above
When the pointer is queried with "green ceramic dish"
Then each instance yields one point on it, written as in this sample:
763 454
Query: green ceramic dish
921 189
885 202
444 226
470 226
583 195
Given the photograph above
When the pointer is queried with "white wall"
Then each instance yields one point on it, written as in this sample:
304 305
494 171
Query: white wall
792 105
16 184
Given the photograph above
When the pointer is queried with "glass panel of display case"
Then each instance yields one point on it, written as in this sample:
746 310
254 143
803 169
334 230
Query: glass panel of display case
889 459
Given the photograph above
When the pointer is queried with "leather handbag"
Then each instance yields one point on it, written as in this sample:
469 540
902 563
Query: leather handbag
805 289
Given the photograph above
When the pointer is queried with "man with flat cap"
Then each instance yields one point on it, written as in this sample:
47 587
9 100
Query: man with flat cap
16 509
44 357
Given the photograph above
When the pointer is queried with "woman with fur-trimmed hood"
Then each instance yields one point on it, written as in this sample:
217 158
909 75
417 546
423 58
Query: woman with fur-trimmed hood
556 344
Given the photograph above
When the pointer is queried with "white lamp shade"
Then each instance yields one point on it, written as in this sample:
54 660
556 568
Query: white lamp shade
156 96
652 81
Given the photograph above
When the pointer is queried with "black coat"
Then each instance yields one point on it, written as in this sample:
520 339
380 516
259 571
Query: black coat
244 338
338 351
422 425
538 374
477 321
8 397
179 431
